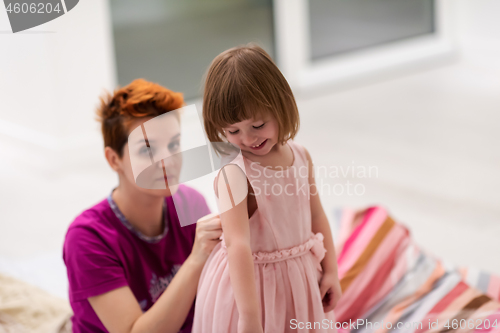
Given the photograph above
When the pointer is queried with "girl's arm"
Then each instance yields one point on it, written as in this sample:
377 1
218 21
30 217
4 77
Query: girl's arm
329 285
119 310
230 184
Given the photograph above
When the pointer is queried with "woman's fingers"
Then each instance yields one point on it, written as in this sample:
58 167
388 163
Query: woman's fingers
212 235
208 218
208 232
214 224
210 222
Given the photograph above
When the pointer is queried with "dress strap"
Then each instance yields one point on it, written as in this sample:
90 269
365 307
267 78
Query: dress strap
239 161
299 153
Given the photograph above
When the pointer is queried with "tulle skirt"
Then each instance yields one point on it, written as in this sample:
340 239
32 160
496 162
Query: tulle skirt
287 284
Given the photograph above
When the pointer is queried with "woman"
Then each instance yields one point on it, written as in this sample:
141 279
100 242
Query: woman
131 266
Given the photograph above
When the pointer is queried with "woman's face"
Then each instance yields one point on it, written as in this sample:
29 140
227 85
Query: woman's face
152 158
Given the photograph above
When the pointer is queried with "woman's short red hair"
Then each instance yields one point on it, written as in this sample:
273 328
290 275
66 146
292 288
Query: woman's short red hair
139 99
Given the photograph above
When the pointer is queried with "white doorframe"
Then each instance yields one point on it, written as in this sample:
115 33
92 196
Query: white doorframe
292 37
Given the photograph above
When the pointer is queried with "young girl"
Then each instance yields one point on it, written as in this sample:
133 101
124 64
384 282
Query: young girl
270 273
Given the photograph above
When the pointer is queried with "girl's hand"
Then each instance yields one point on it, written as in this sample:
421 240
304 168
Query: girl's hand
208 232
249 325
330 290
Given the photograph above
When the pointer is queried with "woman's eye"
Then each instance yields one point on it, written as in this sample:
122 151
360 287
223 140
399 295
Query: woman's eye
143 150
260 126
233 132
173 146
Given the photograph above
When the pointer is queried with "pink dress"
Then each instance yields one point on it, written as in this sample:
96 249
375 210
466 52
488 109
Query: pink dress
286 254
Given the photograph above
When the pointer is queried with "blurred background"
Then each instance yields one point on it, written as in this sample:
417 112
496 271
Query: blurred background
409 88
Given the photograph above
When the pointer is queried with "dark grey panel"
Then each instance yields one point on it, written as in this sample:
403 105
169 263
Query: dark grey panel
173 42
340 26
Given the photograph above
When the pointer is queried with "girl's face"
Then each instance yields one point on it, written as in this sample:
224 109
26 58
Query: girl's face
256 135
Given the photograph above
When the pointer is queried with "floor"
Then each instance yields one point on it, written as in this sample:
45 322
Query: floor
425 146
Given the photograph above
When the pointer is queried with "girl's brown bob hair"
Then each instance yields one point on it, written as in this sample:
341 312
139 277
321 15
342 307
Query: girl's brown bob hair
139 99
241 83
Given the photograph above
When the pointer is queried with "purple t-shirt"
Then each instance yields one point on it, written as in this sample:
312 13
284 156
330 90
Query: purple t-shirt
102 252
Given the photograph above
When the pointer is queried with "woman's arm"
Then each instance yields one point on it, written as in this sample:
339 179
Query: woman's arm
329 286
120 312
236 229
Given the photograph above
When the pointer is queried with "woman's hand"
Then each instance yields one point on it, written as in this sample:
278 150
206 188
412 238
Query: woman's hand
208 232
330 290
249 325
119 310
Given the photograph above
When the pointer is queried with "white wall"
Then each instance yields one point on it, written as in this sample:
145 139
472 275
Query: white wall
50 77
50 80
478 32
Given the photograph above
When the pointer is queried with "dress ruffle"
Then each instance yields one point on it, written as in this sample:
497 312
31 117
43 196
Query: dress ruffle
313 244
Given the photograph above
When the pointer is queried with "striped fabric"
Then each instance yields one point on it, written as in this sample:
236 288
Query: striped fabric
391 285
488 283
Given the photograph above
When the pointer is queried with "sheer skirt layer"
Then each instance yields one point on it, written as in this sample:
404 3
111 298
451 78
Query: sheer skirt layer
287 285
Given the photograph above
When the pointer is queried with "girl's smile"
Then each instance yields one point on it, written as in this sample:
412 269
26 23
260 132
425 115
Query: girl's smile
257 136
259 146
